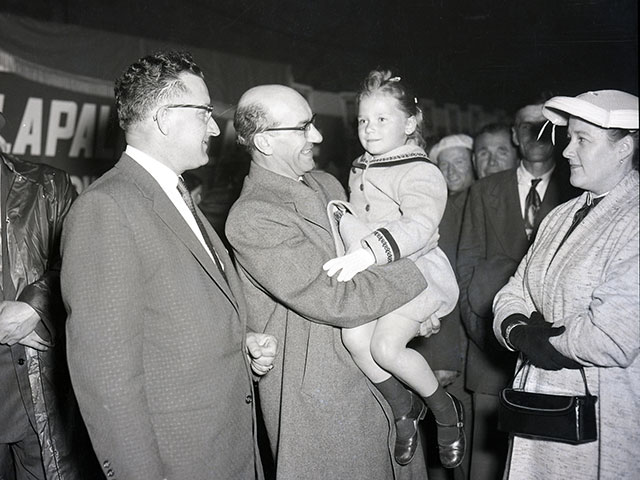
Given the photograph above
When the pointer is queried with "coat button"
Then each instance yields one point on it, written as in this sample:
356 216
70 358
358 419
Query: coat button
361 187
106 464
367 208
353 169
21 361
248 399
110 473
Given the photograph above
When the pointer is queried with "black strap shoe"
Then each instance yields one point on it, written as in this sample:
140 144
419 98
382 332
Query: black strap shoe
405 448
452 454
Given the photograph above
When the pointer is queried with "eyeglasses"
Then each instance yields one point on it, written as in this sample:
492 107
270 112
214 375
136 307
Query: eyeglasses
305 127
208 109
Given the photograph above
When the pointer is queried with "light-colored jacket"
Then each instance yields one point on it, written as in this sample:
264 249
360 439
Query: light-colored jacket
402 196
591 286
324 419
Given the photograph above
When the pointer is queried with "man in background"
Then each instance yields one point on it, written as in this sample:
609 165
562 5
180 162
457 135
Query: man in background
494 150
501 217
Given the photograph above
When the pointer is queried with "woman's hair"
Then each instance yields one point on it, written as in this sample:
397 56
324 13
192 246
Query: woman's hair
383 81
616 134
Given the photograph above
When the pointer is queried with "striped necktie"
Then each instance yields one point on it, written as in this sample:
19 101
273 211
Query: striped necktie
186 196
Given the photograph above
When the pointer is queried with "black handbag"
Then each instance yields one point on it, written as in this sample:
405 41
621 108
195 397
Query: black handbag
558 418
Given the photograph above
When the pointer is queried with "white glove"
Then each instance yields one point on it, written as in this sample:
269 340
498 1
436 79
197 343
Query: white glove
350 264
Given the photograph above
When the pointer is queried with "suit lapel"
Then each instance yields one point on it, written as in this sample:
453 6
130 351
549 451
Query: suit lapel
507 221
168 213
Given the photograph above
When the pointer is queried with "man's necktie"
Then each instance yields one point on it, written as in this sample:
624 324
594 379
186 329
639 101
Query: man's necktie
186 196
531 208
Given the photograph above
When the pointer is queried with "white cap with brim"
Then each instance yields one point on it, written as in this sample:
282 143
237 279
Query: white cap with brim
604 108
459 140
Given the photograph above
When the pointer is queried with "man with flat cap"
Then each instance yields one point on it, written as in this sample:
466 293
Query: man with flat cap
323 417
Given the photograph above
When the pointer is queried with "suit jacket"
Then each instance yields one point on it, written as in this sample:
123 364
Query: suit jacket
323 418
492 243
155 336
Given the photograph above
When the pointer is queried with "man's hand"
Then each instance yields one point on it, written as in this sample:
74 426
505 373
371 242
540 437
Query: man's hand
446 377
350 264
261 349
34 340
429 327
17 321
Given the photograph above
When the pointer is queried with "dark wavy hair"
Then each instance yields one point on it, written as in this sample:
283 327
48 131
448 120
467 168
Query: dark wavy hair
386 82
150 81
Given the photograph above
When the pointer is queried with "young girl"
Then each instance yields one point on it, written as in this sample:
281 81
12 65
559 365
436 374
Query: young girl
396 192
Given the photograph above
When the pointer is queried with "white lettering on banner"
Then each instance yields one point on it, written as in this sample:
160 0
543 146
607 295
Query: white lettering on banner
30 131
84 134
62 120
83 138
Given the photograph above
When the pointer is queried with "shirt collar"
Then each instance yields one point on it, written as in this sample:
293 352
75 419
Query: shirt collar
166 177
525 177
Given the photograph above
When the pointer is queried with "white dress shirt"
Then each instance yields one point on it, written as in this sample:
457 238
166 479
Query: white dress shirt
524 185
168 181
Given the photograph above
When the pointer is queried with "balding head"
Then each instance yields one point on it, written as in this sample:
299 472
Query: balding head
260 108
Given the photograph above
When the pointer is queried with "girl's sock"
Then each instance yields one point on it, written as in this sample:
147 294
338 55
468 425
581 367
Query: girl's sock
399 399
444 411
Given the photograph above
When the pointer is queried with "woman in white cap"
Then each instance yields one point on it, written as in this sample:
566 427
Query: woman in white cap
574 301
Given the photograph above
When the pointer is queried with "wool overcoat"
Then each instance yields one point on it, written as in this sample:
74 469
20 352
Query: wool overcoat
590 285
324 419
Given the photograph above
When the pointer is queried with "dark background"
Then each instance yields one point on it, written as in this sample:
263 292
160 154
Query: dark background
496 53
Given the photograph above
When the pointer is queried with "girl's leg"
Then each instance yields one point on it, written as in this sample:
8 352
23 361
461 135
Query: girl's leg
389 349
357 341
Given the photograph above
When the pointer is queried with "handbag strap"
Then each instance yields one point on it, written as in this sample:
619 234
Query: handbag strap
526 362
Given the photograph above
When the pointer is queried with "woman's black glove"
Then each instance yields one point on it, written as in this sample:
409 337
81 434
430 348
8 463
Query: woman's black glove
531 337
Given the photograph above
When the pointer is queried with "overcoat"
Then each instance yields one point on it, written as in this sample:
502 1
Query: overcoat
590 285
323 417
156 336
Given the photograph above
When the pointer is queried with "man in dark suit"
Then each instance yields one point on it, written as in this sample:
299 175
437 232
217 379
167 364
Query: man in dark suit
157 342
501 217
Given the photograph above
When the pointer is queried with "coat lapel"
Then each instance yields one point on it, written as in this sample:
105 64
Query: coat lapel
168 213
309 201
507 221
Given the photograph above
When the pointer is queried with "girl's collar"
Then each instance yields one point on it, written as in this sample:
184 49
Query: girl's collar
397 155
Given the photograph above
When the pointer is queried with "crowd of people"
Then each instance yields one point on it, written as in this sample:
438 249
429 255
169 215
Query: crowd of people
134 346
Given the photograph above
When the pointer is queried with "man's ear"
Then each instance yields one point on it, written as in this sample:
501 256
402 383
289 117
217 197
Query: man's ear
262 143
163 120
410 125
514 137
